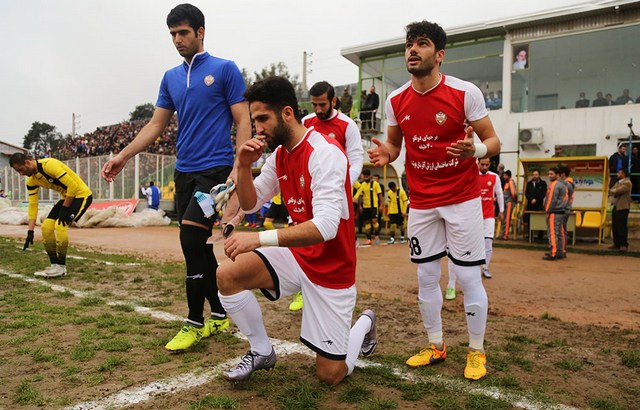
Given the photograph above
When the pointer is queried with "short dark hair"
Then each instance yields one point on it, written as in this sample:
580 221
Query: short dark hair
151 183
186 12
507 172
564 169
366 172
276 92
18 158
556 170
425 28
392 185
322 87
624 171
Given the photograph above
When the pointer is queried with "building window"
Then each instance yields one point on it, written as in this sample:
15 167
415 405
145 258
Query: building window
599 68
480 63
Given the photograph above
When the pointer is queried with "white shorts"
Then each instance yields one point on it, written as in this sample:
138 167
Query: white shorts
489 228
326 317
452 230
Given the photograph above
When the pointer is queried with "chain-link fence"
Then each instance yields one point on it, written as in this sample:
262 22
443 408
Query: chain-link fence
139 171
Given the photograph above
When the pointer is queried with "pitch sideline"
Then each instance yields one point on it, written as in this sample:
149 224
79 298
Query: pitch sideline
200 376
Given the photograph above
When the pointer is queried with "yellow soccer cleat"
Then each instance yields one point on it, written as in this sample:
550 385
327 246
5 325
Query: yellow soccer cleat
186 337
297 303
428 355
476 367
213 326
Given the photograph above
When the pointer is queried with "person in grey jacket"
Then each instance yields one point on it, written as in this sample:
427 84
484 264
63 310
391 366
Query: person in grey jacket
555 203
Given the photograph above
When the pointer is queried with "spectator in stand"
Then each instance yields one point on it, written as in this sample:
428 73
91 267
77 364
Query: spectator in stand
346 102
558 152
582 102
609 98
497 102
490 101
618 161
624 98
369 109
600 101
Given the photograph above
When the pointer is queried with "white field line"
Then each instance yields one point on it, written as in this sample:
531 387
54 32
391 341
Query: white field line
97 260
201 376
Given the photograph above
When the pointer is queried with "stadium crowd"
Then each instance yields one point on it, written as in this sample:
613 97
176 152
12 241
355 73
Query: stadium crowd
113 138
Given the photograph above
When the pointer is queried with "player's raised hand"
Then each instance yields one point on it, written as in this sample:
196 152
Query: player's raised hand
251 151
379 156
463 148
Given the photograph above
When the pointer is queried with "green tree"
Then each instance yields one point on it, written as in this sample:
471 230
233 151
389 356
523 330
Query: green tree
279 69
142 112
41 138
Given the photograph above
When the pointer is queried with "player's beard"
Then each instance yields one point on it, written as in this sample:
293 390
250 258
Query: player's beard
424 69
325 115
279 135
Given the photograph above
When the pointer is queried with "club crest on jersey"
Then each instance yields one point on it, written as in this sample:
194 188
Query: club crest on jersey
301 181
441 117
208 80
50 180
332 135
489 183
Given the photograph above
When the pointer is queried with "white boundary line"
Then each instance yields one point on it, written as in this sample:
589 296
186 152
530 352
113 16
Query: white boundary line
198 377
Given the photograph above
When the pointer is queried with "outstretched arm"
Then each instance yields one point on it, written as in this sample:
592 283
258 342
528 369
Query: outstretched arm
154 128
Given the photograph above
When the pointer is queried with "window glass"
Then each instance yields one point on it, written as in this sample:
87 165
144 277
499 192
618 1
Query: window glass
577 71
479 63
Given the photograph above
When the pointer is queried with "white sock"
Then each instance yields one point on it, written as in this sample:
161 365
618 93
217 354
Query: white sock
244 310
356 336
452 274
476 304
488 250
430 300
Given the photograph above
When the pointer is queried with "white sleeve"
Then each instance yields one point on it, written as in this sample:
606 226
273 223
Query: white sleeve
330 203
355 152
391 116
266 183
474 104
497 188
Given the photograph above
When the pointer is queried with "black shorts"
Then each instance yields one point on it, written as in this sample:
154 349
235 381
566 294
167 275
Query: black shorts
369 213
278 212
396 219
188 183
78 207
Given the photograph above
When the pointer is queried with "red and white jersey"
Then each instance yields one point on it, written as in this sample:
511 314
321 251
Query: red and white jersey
346 132
430 122
490 189
315 186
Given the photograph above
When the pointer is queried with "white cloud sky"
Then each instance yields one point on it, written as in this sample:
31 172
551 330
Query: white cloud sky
99 59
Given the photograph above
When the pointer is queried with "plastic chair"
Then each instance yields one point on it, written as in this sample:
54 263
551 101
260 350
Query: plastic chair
578 219
594 220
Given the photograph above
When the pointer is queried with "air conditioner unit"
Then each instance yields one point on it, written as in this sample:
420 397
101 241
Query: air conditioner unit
531 136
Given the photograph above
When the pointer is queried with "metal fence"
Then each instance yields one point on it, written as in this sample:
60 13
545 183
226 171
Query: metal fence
139 171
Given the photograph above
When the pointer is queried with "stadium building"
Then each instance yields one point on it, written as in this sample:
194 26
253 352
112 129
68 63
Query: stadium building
536 105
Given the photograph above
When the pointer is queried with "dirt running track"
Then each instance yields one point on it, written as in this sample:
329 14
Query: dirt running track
586 289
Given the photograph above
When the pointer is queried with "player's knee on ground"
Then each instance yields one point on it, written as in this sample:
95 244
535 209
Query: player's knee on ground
331 372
